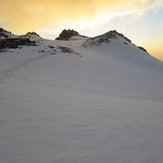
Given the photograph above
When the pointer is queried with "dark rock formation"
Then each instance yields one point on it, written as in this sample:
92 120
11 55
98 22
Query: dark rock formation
142 49
4 33
67 34
105 38
14 43
32 34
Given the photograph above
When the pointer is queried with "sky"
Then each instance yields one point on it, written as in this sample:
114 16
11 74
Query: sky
139 20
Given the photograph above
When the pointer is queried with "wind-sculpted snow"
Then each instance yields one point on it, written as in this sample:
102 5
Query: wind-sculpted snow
106 106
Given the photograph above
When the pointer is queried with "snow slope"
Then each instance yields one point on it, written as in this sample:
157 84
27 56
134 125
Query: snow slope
69 102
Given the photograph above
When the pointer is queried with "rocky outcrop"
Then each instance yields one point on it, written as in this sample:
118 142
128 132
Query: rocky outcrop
5 34
67 34
14 43
11 41
105 38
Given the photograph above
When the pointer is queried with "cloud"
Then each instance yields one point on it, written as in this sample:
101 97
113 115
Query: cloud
148 4
32 15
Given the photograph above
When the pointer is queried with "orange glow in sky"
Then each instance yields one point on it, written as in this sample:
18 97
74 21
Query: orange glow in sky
139 20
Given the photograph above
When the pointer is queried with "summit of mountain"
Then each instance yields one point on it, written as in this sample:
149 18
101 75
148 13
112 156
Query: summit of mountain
33 36
106 38
4 34
70 34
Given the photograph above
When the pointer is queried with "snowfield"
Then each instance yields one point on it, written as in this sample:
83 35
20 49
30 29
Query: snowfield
61 102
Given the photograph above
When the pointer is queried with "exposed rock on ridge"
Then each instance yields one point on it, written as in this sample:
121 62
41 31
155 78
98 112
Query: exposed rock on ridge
104 38
9 40
67 34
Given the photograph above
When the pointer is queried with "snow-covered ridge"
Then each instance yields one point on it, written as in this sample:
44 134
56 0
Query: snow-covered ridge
106 38
5 34
11 41
32 38
70 35
30 35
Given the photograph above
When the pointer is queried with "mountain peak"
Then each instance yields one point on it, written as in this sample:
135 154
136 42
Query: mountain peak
115 33
5 34
67 34
2 30
32 34
105 38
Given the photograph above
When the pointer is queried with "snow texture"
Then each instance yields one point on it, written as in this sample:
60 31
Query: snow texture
100 104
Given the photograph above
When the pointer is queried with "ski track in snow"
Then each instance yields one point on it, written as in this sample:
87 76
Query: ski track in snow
8 73
87 90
